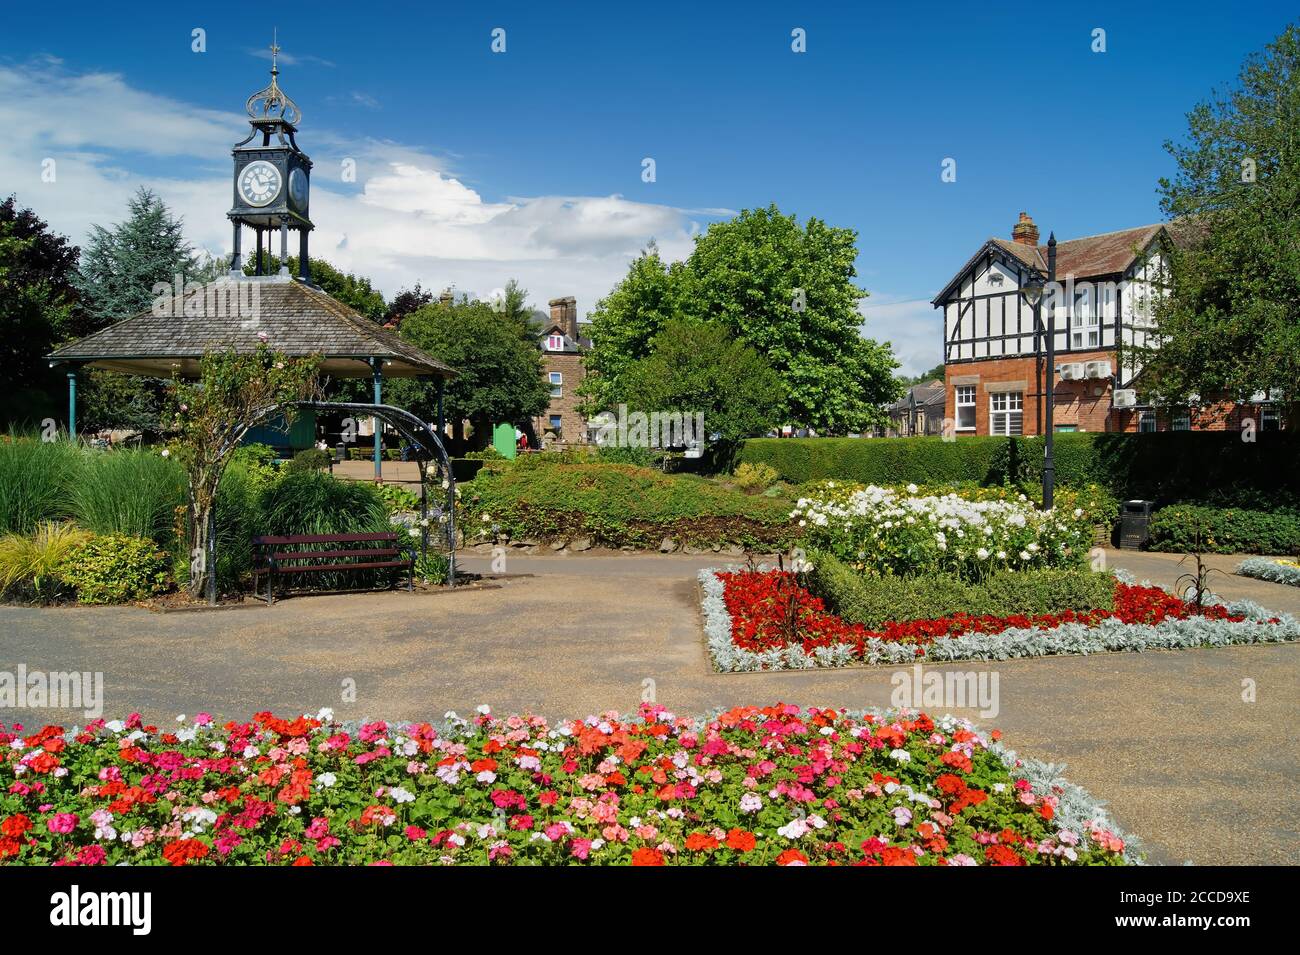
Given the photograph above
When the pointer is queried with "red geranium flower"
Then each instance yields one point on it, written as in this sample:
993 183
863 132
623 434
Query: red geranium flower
646 856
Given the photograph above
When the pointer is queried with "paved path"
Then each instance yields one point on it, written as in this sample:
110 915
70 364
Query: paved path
1164 737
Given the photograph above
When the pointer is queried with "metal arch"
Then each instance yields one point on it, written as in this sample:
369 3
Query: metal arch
425 439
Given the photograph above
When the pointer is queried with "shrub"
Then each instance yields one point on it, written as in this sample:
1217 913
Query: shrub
398 498
487 454
642 457
236 515
311 459
880 460
29 562
36 478
752 478
881 531
129 492
621 505
873 601
1168 467
313 502
115 568
1225 530
433 567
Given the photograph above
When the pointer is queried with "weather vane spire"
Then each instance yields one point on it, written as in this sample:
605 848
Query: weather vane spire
272 102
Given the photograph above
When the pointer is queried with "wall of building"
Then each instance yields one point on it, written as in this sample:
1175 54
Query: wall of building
1085 404
573 426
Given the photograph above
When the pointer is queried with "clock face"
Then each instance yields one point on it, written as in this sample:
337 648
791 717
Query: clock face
298 188
259 183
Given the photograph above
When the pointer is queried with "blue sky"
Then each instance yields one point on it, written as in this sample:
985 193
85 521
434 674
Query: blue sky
474 167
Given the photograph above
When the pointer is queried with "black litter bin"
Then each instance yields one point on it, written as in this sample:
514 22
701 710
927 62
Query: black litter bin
1135 524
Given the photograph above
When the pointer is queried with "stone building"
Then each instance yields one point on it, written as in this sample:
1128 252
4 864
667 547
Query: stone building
562 345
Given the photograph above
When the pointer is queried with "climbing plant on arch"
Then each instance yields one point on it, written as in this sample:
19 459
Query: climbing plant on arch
208 417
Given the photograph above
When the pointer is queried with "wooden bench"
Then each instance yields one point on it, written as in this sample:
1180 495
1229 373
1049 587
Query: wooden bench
270 560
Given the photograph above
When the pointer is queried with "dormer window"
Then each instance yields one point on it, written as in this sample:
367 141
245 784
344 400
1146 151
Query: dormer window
554 342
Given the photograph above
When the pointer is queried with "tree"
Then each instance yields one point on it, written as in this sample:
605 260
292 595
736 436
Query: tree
514 305
934 374
207 420
500 369
38 305
625 321
404 303
121 265
699 367
787 290
116 277
1230 326
354 291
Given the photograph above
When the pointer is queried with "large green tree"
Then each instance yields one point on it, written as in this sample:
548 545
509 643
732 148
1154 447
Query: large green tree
1231 323
116 277
500 367
120 265
38 305
624 323
787 289
698 367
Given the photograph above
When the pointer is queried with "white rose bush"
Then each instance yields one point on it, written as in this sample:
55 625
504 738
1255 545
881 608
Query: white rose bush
877 530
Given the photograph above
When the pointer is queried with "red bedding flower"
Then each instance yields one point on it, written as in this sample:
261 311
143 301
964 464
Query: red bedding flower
770 611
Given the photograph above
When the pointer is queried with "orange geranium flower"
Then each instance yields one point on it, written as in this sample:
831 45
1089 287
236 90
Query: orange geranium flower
701 842
741 840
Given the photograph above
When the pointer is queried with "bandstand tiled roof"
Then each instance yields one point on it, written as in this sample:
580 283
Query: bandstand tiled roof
290 316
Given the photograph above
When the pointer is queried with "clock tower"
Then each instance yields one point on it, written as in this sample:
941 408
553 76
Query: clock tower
272 179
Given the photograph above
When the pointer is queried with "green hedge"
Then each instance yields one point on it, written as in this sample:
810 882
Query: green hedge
872 601
617 505
1225 530
880 460
1168 467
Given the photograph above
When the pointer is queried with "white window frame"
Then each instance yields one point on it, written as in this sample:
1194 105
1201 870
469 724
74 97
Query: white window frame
1085 328
1146 422
1181 421
966 392
555 423
1270 419
557 384
1007 413
554 342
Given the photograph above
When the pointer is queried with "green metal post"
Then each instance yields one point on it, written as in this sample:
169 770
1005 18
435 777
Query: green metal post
376 367
442 420
72 404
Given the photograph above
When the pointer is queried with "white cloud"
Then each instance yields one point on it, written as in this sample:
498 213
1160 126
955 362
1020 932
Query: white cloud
913 326
407 218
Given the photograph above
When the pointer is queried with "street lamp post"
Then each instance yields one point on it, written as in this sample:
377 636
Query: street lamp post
1032 291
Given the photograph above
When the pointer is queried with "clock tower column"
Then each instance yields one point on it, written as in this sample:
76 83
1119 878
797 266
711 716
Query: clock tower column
272 179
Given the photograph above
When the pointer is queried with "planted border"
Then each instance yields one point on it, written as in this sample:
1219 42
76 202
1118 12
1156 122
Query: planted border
833 787
1108 635
1270 569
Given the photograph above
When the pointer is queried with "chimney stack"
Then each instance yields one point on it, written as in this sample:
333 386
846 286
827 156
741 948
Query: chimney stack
1025 232
564 312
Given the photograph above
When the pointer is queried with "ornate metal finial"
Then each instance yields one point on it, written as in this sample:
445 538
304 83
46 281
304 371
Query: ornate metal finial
272 102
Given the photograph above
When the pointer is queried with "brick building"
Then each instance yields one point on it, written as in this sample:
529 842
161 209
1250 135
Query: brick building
562 345
995 348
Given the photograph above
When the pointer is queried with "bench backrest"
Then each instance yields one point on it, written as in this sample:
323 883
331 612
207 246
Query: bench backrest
325 538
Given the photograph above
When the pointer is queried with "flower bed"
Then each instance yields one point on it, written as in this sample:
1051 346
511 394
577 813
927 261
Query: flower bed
775 785
907 533
767 621
1275 570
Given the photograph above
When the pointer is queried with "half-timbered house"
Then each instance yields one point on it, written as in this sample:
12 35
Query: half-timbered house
995 343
